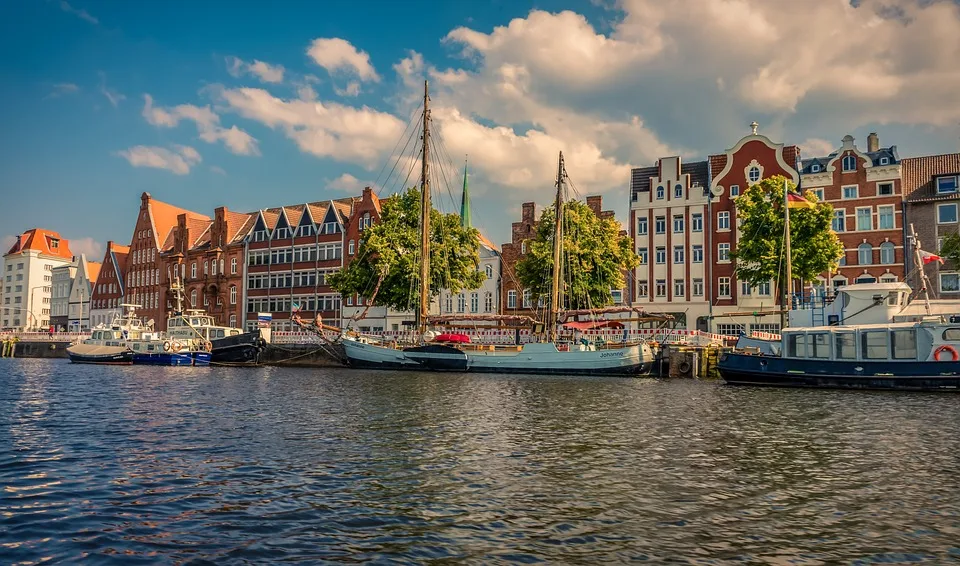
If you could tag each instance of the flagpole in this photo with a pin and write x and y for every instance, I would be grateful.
(787, 285)
(920, 266)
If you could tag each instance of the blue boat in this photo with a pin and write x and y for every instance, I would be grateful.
(155, 349)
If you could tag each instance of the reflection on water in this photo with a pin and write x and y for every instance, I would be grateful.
(132, 465)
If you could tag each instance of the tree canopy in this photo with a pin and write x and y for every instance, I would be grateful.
(814, 246)
(950, 248)
(595, 256)
(389, 254)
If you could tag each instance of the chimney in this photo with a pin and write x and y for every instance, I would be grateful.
(873, 142)
(367, 192)
(594, 203)
(528, 212)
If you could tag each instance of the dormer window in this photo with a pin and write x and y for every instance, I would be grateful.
(331, 227)
(54, 243)
(884, 161)
(947, 184)
(260, 236)
(815, 168)
(849, 163)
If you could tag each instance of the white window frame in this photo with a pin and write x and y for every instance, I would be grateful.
(956, 286)
(861, 250)
(856, 192)
(643, 255)
(956, 184)
(642, 226)
(694, 256)
(679, 288)
(679, 255)
(819, 192)
(891, 250)
(661, 288)
(660, 225)
(696, 222)
(678, 191)
(697, 287)
(868, 216)
(940, 207)
(723, 221)
(643, 289)
(839, 214)
(734, 191)
(721, 283)
(660, 255)
(848, 159)
(723, 252)
(893, 216)
(660, 192)
(880, 186)
(678, 224)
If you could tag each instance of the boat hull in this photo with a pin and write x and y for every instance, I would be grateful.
(535, 359)
(105, 355)
(173, 359)
(749, 369)
(243, 349)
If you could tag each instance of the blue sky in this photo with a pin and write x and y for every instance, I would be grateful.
(614, 85)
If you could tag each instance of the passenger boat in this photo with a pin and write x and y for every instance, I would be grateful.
(549, 356)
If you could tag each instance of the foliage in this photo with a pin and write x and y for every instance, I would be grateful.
(814, 246)
(390, 249)
(950, 249)
(595, 256)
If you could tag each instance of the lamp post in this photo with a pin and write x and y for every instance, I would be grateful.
(33, 307)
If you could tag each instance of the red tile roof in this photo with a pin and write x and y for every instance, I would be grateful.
(165, 220)
(93, 271)
(40, 240)
(918, 174)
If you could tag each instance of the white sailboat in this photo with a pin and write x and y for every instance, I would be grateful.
(550, 356)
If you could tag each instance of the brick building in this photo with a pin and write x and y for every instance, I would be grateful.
(865, 192)
(750, 160)
(668, 219)
(931, 186)
(109, 291)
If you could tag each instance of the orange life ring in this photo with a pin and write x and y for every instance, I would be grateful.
(166, 346)
(946, 348)
(208, 346)
(177, 347)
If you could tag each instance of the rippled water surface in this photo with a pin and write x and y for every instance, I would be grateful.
(215, 465)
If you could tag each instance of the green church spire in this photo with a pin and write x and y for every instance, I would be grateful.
(465, 202)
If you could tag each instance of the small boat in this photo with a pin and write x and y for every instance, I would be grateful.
(105, 346)
(156, 349)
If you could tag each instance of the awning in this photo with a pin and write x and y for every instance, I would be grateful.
(592, 324)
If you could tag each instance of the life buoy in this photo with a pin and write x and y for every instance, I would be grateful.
(208, 346)
(946, 348)
(166, 346)
(176, 346)
(684, 367)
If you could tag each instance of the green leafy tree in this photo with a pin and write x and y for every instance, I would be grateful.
(387, 265)
(595, 256)
(814, 246)
(950, 249)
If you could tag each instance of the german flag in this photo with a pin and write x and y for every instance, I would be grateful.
(796, 201)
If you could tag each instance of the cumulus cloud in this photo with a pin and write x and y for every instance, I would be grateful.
(207, 122)
(217, 170)
(178, 160)
(349, 184)
(78, 12)
(339, 55)
(92, 248)
(352, 89)
(264, 71)
(816, 147)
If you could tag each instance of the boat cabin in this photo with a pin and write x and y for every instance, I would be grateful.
(901, 342)
(863, 303)
(197, 324)
(107, 337)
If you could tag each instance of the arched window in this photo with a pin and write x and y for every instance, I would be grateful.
(489, 270)
(849, 163)
(233, 294)
(887, 253)
(193, 270)
(222, 272)
(193, 298)
(754, 174)
(233, 321)
(488, 302)
(865, 254)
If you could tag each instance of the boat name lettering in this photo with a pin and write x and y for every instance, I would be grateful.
(611, 355)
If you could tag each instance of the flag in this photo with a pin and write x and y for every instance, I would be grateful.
(928, 257)
(796, 201)
(296, 307)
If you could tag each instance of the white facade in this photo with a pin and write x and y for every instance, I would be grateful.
(80, 293)
(482, 301)
(60, 295)
(28, 286)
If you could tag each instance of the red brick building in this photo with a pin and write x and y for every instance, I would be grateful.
(931, 185)
(109, 291)
(865, 191)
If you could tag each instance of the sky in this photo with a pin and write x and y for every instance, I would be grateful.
(237, 104)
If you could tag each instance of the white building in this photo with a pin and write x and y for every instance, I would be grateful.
(81, 290)
(28, 278)
(60, 295)
(482, 301)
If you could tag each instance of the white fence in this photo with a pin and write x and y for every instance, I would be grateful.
(44, 336)
(506, 337)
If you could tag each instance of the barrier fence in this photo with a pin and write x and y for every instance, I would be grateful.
(506, 337)
(44, 336)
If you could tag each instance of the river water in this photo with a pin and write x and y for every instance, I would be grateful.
(229, 466)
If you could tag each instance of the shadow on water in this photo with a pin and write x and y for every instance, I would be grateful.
(220, 465)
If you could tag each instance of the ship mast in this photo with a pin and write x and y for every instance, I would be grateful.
(557, 254)
(787, 285)
(425, 210)
(924, 282)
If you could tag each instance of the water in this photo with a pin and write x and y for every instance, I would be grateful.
(229, 466)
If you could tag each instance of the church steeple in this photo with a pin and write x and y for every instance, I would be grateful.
(465, 201)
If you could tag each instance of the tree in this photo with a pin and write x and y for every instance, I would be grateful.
(387, 265)
(595, 256)
(950, 248)
(814, 246)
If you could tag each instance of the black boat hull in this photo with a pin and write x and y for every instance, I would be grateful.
(244, 349)
(912, 375)
(119, 359)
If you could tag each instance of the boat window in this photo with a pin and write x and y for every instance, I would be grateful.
(234, 333)
(846, 346)
(219, 333)
(819, 345)
(150, 347)
(195, 322)
(796, 345)
(893, 299)
(904, 344)
(874, 345)
(951, 334)
(97, 335)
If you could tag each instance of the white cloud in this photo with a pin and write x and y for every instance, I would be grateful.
(335, 54)
(114, 97)
(352, 89)
(264, 71)
(89, 246)
(217, 170)
(80, 13)
(207, 122)
(177, 161)
(349, 184)
(61, 89)
(817, 147)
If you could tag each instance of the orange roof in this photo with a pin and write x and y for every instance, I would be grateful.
(165, 219)
(294, 213)
(488, 243)
(40, 240)
(93, 271)
(270, 217)
(236, 222)
(200, 230)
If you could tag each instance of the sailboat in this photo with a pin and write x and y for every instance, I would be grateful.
(550, 356)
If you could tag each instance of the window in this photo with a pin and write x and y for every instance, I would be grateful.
(885, 217)
(884, 161)
(659, 192)
(796, 345)
(864, 218)
(849, 163)
(193, 298)
(641, 226)
(488, 302)
(947, 184)
(677, 254)
(233, 294)
(734, 190)
(887, 253)
(697, 253)
(193, 270)
(449, 303)
(904, 344)
(351, 244)
(888, 278)
(745, 290)
(763, 289)
(850, 192)
(723, 287)
(753, 175)
(949, 282)
(642, 254)
(723, 220)
(678, 191)
(884, 189)
(818, 193)
(233, 266)
(462, 302)
(527, 302)
(874, 344)
(819, 343)
(696, 222)
(213, 267)
(523, 247)
(661, 287)
(643, 290)
(474, 302)
(839, 220)
(661, 255)
(846, 345)
(723, 252)
(660, 225)
(697, 287)
(677, 224)
(678, 288)
(511, 300)
(865, 254)
(617, 296)
(946, 213)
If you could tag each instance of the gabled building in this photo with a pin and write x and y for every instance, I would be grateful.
(931, 185)
(668, 224)
(753, 158)
(60, 294)
(865, 191)
(109, 291)
(28, 278)
(81, 290)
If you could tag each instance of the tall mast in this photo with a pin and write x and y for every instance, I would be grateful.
(557, 251)
(425, 209)
(924, 283)
(788, 283)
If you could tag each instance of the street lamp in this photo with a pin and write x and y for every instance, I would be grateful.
(33, 307)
